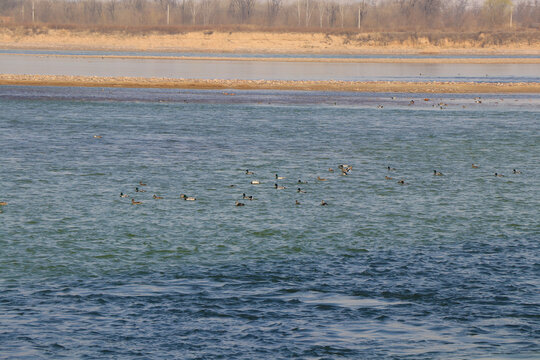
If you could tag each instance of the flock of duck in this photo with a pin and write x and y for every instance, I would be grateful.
(343, 169)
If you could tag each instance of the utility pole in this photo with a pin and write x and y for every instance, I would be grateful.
(511, 11)
(168, 14)
(33, 12)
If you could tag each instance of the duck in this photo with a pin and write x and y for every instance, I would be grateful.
(122, 195)
(330, 170)
(437, 173)
(302, 182)
(388, 178)
(97, 136)
(249, 172)
(187, 198)
(139, 190)
(244, 196)
(279, 187)
(474, 166)
(157, 197)
(133, 202)
(255, 182)
(321, 179)
(141, 183)
(401, 182)
(296, 202)
(3, 203)
(499, 175)
(323, 203)
(300, 191)
(238, 203)
(279, 177)
(391, 168)
(516, 171)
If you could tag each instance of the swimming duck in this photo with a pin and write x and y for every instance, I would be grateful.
(141, 183)
(249, 172)
(122, 195)
(499, 175)
(238, 203)
(255, 182)
(3, 203)
(279, 177)
(139, 190)
(300, 191)
(187, 198)
(244, 196)
(302, 182)
(516, 171)
(157, 197)
(133, 202)
(97, 136)
(321, 179)
(437, 173)
(330, 170)
(279, 187)
(474, 166)
(323, 203)
(401, 182)
(389, 178)
(391, 168)
(296, 202)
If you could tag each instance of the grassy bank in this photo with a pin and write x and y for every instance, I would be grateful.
(241, 40)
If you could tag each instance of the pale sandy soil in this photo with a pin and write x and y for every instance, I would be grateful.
(369, 86)
(243, 42)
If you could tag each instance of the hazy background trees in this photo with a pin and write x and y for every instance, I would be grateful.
(308, 15)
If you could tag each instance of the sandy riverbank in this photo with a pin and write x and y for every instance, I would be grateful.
(354, 86)
(266, 42)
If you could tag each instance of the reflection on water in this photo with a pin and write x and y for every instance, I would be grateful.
(275, 70)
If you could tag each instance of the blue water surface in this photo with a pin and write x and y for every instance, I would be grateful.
(441, 267)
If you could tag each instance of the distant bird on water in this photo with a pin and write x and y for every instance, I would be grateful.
(516, 171)
(323, 203)
(474, 166)
(3, 203)
(122, 195)
(133, 202)
(187, 198)
(437, 173)
(238, 203)
(249, 172)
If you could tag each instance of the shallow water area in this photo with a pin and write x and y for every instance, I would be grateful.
(443, 266)
(190, 67)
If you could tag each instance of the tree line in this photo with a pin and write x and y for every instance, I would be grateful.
(307, 15)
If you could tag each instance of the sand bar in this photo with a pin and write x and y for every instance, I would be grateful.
(217, 84)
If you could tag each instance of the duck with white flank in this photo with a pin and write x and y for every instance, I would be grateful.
(279, 187)
(255, 182)
(437, 173)
(122, 195)
(279, 177)
(187, 198)
(249, 172)
(516, 171)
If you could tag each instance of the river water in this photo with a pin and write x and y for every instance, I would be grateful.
(70, 64)
(441, 267)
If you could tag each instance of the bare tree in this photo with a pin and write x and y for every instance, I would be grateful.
(272, 10)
